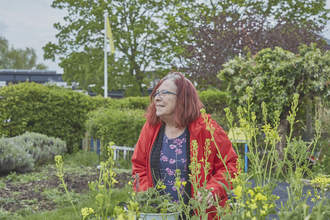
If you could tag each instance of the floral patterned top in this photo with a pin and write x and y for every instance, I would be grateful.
(173, 156)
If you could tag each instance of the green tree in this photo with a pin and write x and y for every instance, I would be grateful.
(139, 34)
(209, 22)
(275, 76)
(11, 58)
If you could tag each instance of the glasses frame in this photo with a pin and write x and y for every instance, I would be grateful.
(162, 94)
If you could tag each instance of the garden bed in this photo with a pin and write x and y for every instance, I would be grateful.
(36, 190)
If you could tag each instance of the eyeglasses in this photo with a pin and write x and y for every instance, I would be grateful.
(162, 94)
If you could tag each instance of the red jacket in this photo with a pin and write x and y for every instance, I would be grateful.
(198, 132)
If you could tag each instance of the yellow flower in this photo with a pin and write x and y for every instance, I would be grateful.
(130, 183)
(263, 212)
(254, 218)
(253, 205)
(251, 192)
(58, 158)
(248, 214)
(161, 186)
(86, 211)
(184, 183)
(114, 181)
(238, 191)
(265, 207)
(261, 197)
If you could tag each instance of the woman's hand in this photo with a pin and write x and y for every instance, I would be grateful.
(209, 198)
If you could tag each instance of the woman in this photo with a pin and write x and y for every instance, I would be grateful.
(174, 121)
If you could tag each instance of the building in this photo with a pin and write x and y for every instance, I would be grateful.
(45, 76)
(38, 76)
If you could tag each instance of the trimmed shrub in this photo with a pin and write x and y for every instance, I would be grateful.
(130, 102)
(50, 110)
(122, 126)
(14, 156)
(215, 101)
(41, 147)
(20, 153)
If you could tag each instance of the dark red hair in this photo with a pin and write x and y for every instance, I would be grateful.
(188, 104)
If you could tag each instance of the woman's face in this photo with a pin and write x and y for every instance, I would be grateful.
(165, 106)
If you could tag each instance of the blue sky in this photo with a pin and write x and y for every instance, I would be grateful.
(29, 23)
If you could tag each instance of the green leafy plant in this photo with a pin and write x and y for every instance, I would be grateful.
(50, 110)
(154, 200)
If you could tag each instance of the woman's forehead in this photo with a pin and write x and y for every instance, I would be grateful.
(167, 84)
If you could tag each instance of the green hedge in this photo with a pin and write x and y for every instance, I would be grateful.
(130, 102)
(63, 113)
(49, 110)
(21, 153)
(122, 126)
(215, 101)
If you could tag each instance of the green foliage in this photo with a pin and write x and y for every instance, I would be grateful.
(154, 200)
(20, 153)
(42, 148)
(215, 101)
(60, 198)
(186, 26)
(82, 158)
(11, 58)
(14, 156)
(139, 38)
(323, 164)
(49, 110)
(122, 126)
(130, 102)
(122, 163)
(6, 215)
(25, 178)
(275, 75)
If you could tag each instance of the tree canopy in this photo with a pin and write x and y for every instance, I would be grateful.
(211, 32)
(11, 58)
(152, 35)
(139, 35)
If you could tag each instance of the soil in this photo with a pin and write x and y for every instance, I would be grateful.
(13, 194)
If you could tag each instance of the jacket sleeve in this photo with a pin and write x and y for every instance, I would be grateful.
(139, 161)
(221, 172)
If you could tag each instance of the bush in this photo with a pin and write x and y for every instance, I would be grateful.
(14, 156)
(21, 153)
(215, 101)
(50, 110)
(130, 102)
(122, 126)
(42, 147)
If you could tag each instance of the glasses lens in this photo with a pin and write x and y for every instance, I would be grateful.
(162, 94)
